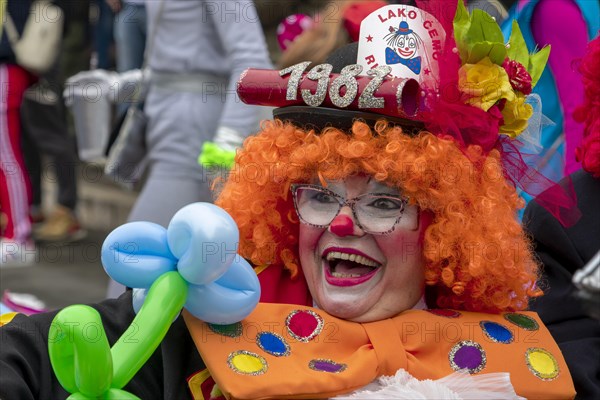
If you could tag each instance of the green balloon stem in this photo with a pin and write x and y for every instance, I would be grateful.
(81, 357)
(79, 351)
(164, 301)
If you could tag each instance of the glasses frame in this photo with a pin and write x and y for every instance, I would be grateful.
(346, 202)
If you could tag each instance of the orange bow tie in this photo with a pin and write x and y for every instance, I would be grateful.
(288, 351)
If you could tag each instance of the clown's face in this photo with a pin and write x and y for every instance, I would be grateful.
(360, 276)
(407, 46)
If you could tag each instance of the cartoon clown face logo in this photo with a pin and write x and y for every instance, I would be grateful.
(403, 44)
(407, 39)
(406, 45)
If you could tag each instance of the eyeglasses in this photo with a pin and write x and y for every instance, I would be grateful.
(375, 213)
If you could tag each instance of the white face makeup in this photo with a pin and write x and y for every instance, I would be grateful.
(359, 276)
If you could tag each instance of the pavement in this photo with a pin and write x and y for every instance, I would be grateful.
(71, 273)
(62, 274)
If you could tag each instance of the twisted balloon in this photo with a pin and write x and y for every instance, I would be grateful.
(192, 264)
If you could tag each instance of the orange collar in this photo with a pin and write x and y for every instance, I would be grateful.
(290, 351)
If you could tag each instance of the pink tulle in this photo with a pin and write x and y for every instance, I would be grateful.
(467, 125)
(558, 200)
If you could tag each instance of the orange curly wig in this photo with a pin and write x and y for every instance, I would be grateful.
(477, 257)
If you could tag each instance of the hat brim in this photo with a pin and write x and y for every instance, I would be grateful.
(317, 118)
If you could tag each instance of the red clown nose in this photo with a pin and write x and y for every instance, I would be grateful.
(342, 225)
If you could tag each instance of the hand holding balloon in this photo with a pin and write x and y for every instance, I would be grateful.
(192, 263)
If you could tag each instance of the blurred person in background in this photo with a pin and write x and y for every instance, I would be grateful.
(46, 138)
(15, 191)
(198, 47)
(129, 33)
(130, 37)
(46, 132)
(103, 40)
(197, 52)
(312, 38)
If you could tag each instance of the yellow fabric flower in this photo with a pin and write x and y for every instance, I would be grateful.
(484, 83)
(516, 113)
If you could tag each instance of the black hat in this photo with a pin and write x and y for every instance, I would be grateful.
(318, 118)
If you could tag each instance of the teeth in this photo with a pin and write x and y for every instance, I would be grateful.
(340, 275)
(351, 257)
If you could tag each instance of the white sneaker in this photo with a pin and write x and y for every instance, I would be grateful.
(17, 254)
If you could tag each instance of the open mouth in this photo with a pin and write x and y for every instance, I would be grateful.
(347, 269)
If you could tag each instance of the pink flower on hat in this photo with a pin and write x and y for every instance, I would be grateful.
(518, 76)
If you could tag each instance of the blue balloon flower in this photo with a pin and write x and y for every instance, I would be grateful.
(201, 244)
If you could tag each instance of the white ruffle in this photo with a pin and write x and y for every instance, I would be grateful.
(459, 385)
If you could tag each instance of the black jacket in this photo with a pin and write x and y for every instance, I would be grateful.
(26, 373)
(563, 251)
